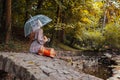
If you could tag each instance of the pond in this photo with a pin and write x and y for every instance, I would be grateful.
(100, 71)
(100, 64)
(91, 62)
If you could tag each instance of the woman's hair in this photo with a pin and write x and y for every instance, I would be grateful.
(32, 36)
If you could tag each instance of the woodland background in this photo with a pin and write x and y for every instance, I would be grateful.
(76, 24)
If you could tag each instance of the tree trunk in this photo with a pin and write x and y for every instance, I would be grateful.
(27, 14)
(105, 14)
(8, 21)
(63, 30)
(63, 35)
(0, 11)
(55, 33)
(3, 16)
(59, 20)
(39, 4)
(104, 20)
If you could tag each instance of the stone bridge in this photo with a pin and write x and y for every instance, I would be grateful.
(26, 66)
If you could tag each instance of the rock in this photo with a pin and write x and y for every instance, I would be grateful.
(116, 69)
(108, 55)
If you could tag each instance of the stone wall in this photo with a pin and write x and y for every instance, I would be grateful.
(26, 66)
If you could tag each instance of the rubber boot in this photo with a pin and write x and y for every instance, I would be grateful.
(47, 52)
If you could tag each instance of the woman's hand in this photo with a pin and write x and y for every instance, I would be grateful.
(45, 39)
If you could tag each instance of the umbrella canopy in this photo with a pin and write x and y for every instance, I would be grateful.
(35, 22)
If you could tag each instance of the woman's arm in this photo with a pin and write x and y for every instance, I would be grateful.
(41, 38)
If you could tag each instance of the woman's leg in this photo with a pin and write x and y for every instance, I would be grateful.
(41, 50)
(50, 52)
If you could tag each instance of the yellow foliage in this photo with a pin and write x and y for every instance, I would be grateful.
(97, 5)
(94, 34)
(86, 20)
(85, 12)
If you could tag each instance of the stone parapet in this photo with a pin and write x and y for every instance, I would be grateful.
(26, 66)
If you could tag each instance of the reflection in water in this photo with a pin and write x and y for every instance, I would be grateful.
(99, 71)
(97, 64)
(91, 62)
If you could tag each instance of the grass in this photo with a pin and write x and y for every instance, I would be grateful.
(23, 46)
(15, 46)
(65, 47)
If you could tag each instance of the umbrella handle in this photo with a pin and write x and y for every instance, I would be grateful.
(30, 16)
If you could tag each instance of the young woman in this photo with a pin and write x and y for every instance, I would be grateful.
(37, 45)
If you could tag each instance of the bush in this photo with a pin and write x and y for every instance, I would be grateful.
(94, 39)
(112, 35)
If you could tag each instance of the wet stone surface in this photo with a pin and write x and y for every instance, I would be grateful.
(116, 68)
(26, 66)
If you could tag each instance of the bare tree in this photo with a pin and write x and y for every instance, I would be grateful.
(7, 20)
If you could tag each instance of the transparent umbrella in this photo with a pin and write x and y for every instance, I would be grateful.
(35, 22)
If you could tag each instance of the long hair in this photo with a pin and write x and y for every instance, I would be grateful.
(32, 36)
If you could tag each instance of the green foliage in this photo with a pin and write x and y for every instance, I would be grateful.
(81, 20)
(94, 39)
(65, 47)
(61, 26)
(17, 46)
(112, 35)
